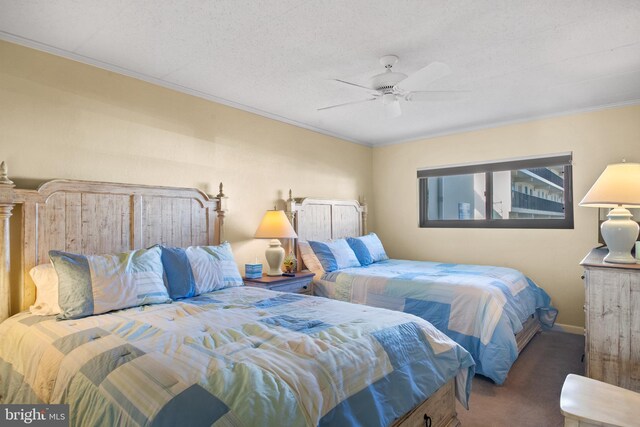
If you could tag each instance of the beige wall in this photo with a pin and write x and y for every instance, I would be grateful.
(549, 257)
(63, 119)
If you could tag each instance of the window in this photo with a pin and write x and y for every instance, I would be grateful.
(527, 193)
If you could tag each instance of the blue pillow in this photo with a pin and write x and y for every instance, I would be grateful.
(368, 248)
(198, 269)
(334, 255)
(95, 284)
(178, 274)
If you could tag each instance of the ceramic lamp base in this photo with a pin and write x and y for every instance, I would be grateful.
(619, 233)
(275, 256)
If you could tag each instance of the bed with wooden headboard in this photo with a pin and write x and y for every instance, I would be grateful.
(326, 219)
(89, 218)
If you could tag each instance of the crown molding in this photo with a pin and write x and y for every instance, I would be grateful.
(501, 123)
(182, 89)
(168, 85)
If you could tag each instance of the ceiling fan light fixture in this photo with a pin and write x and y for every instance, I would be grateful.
(392, 109)
(389, 98)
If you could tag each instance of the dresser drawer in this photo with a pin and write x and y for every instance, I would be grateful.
(437, 411)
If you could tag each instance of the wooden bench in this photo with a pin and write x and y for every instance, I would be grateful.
(587, 402)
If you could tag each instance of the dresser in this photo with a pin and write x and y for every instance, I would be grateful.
(612, 321)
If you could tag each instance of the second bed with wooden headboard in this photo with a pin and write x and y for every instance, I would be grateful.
(491, 311)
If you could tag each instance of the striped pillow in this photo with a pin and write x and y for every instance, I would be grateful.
(368, 248)
(335, 255)
(199, 269)
(95, 284)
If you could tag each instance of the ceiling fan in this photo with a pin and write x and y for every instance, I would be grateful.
(391, 86)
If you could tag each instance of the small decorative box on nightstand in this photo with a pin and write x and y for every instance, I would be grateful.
(301, 283)
(253, 271)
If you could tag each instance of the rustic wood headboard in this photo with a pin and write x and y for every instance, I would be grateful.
(326, 219)
(96, 217)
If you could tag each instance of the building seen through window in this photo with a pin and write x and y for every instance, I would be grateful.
(522, 192)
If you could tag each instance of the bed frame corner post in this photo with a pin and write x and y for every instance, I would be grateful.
(6, 206)
(364, 215)
(290, 212)
(221, 209)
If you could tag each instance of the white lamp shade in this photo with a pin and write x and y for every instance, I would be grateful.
(618, 185)
(275, 225)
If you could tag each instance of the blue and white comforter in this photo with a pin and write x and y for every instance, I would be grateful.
(238, 356)
(480, 307)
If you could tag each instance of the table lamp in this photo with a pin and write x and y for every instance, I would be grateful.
(275, 225)
(617, 187)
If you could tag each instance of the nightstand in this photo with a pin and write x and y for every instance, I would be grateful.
(301, 283)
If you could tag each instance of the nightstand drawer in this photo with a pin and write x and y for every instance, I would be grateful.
(301, 283)
(299, 287)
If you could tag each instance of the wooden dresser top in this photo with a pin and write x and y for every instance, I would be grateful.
(595, 259)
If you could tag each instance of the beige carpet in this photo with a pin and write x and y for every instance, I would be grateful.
(531, 394)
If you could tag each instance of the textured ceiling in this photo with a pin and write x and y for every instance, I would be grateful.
(516, 59)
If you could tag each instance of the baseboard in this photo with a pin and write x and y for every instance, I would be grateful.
(569, 329)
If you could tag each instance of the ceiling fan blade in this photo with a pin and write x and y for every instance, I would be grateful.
(423, 77)
(347, 103)
(435, 95)
(353, 84)
(392, 109)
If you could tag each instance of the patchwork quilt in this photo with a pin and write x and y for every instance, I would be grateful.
(234, 357)
(479, 307)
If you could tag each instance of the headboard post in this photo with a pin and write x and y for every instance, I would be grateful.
(221, 209)
(290, 212)
(290, 209)
(6, 206)
(363, 205)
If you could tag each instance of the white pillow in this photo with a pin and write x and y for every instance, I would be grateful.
(310, 259)
(46, 280)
